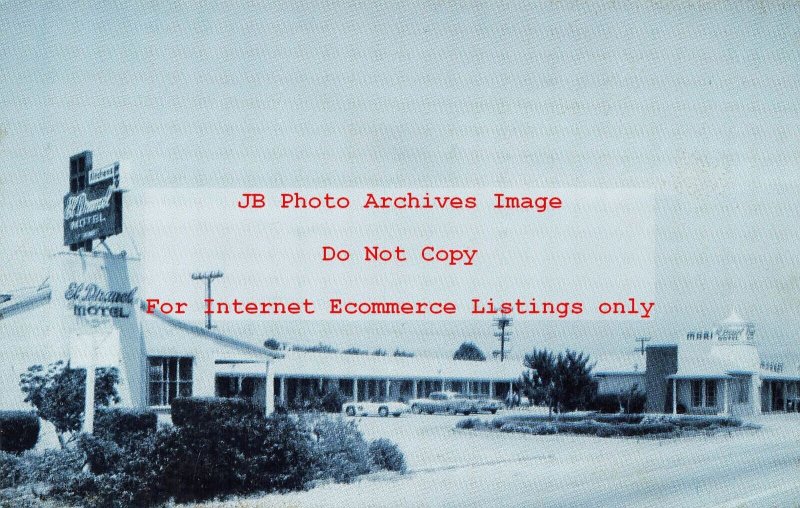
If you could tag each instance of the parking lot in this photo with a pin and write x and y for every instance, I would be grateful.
(449, 467)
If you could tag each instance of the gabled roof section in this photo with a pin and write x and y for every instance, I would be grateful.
(24, 300)
(220, 338)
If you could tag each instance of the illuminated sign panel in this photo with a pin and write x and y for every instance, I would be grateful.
(93, 206)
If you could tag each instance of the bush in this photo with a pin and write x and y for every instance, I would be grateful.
(618, 418)
(697, 422)
(19, 431)
(102, 455)
(605, 403)
(332, 401)
(584, 428)
(469, 423)
(629, 402)
(341, 453)
(124, 425)
(544, 429)
(635, 403)
(645, 429)
(607, 431)
(232, 456)
(386, 455)
(315, 400)
(209, 410)
(10, 473)
(513, 427)
(51, 466)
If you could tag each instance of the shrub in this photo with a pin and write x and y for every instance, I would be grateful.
(618, 418)
(9, 470)
(209, 410)
(585, 428)
(629, 402)
(19, 431)
(695, 422)
(513, 427)
(386, 455)
(332, 401)
(102, 455)
(645, 429)
(605, 403)
(635, 402)
(341, 452)
(607, 431)
(51, 466)
(124, 425)
(469, 423)
(313, 399)
(232, 456)
(544, 429)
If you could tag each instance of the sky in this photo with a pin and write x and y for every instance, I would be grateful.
(689, 108)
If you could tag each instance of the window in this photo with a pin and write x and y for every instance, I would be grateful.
(169, 377)
(704, 393)
(697, 393)
(711, 393)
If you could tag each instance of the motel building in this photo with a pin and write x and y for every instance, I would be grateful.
(91, 312)
(718, 371)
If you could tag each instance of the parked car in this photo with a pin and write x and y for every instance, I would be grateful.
(489, 405)
(454, 403)
(375, 408)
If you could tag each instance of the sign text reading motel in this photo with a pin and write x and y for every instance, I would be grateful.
(93, 205)
(89, 299)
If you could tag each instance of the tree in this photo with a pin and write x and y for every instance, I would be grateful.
(403, 354)
(319, 348)
(539, 382)
(272, 344)
(469, 351)
(58, 394)
(573, 381)
(355, 351)
(563, 382)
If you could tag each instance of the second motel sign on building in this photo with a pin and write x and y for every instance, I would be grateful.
(93, 205)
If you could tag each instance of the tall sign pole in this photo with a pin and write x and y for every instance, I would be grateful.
(208, 277)
(92, 211)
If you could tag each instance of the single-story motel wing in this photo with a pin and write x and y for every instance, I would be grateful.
(90, 311)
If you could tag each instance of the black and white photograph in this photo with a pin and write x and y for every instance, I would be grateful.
(441, 254)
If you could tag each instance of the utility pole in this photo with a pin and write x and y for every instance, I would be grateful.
(208, 277)
(641, 348)
(503, 334)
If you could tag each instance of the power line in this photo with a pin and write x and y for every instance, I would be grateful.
(503, 334)
(641, 348)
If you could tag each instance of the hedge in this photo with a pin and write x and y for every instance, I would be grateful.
(19, 431)
(123, 425)
(207, 410)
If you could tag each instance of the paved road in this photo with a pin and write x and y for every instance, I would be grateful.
(468, 468)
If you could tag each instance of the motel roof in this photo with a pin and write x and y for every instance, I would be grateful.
(168, 336)
(619, 365)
